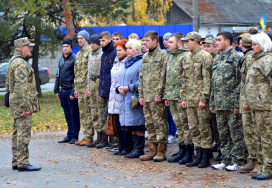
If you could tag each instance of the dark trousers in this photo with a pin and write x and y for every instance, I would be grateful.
(71, 112)
(172, 127)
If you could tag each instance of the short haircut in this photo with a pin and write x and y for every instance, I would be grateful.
(263, 40)
(104, 34)
(133, 36)
(253, 31)
(177, 35)
(121, 43)
(135, 44)
(234, 42)
(118, 34)
(227, 36)
(153, 35)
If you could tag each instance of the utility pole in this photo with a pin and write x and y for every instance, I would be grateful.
(195, 16)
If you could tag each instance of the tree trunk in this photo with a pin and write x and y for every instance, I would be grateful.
(35, 53)
(68, 20)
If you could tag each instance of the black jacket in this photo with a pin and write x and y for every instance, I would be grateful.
(107, 60)
(65, 74)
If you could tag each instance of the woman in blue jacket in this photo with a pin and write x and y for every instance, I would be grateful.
(132, 119)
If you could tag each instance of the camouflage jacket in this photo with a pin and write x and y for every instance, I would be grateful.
(81, 68)
(174, 72)
(246, 62)
(258, 85)
(22, 86)
(225, 81)
(152, 75)
(215, 55)
(196, 83)
(94, 64)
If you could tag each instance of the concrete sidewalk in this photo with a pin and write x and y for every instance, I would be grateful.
(65, 165)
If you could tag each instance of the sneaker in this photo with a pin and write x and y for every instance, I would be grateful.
(172, 139)
(107, 147)
(114, 149)
(232, 167)
(218, 166)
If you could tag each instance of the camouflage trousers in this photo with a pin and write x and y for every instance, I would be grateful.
(180, 119)
(251, 138)
(199, 121)
(103, 111)
(231, 136)
(263, 121)
(215, 133)
(155, 122)
(20, 140)
(95, 104)
(85, 115)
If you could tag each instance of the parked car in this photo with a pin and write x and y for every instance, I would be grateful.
(43, 74)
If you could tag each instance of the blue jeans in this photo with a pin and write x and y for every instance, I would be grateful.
(71, 112)
(172, 126)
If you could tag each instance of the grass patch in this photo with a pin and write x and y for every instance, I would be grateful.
(49, 119)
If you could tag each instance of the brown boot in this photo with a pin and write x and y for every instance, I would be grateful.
(104, 141)
(151, 153)
(256, 169)
(84, 143)
(161, 153)
(79, 142)
(248, 168)
(99, 138)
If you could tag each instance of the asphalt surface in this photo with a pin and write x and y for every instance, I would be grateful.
(65, 165)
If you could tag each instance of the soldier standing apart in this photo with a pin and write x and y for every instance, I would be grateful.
(107, 60)
(64, 89)
(195, 95)
(225, 103)
(172, 93)
(258, 94)
(81, 82)
(209, 46)
(251, 138)
(151, 88)
(94, 64)
(23, 102)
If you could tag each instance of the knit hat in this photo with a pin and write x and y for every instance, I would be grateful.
(246, 40)
(166, 36)
(95, 39)
(85, 34)
(69, 42)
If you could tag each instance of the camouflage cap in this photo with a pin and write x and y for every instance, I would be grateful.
(246, 40)
(23, 42)
(209, 40)
(192, 35)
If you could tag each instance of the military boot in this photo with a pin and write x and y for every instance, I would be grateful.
(160, 154)
(205, 159)
(99, 137)
(104, 141)
(248, 168)
(151, 153)
(189, 151)
(179, 156)
(198, 158)
(134, 140)
(256, 169)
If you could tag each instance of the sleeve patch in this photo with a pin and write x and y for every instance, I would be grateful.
(22, 74)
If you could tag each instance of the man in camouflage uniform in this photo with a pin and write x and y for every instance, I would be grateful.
(195, 94)
(224, 101)
(23, 102)
(172, 95)
(209, 46)
(94, 64)
(251, 139)
(151, 88)
(81, 82)
(258, 93)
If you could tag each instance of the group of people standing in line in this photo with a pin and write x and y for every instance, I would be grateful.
(215, 94)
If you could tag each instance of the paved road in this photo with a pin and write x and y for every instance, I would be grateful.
(65, 165)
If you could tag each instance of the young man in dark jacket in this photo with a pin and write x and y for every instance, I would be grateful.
(107, 59)
(64, 89)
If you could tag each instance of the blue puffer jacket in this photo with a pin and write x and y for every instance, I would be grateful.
(107, 60)
(130, 78)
